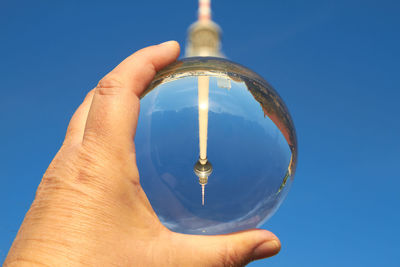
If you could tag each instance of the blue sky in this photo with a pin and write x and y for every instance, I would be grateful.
(334, 63)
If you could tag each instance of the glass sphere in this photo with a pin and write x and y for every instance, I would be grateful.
(216, 147)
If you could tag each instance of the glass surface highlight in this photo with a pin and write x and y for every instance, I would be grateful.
(216, 147)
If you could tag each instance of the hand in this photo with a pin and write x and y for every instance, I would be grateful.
(90, 209)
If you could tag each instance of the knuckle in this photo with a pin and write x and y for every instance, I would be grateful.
(109, 85)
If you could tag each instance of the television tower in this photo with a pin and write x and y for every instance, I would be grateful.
(203, 41)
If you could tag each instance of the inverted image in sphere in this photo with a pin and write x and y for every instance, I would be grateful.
(216, 147)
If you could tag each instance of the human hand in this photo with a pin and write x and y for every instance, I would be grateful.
(90, 209)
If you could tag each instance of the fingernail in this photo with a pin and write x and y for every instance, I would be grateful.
(266, 249)
(168, 42)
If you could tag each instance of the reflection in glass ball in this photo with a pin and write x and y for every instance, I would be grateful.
(216, 147)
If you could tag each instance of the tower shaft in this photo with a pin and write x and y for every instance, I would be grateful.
(204, 10)
(203, 88)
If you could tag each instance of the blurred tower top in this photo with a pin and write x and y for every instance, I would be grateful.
(204, 36)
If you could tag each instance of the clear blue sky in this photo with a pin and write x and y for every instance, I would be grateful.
(335, 64)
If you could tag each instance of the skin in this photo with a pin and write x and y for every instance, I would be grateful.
(90, 209)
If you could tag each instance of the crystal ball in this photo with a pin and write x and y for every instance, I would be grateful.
(216, 147)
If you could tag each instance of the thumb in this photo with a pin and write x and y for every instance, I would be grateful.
(236, 249)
